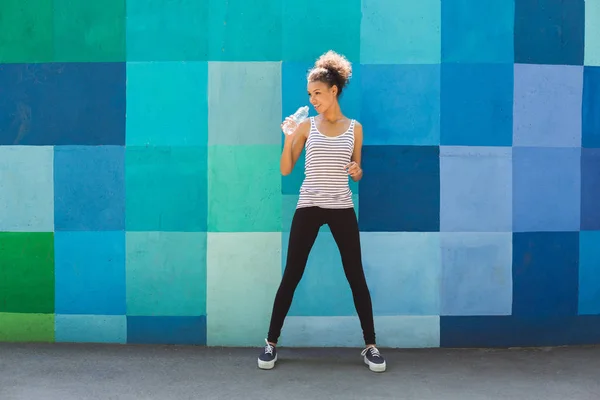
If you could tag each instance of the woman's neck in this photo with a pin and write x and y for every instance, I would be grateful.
(333, 114)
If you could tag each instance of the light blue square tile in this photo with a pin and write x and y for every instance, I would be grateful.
(323, 276)
(244, 103)
(592, 33)
(27, 189)
(90, 273)
(167, 104)
(166, 274)
(548, 102)
(91, 328)
(408, 331)
(546, 189)
(475, 189)
(477, 274)
(589, 273)
(403, 271)
(400, 32)
(403, 108)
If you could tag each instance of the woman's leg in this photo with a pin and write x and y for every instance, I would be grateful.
(344, 228)
(303, 232)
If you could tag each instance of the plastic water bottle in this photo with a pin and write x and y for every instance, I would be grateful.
(300, 115)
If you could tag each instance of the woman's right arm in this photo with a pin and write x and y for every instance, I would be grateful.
(292, 147)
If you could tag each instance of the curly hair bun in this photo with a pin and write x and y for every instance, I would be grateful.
(336, 63)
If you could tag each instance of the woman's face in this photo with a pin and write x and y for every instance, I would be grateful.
(321, 96)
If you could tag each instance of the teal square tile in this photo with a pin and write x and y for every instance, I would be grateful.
(167, 104)
(244, 188)
(166, 189)
(239, 309)
(312, 27)
(166, 273)
(166, 30)
(242, 30)
(400, 32)
(592, 33)
(249, 116)
(90, 328)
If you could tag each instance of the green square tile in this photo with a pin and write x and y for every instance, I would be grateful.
(26, 33)
(166, 273)
(166, 30)
(166, 188)
(26, 327)
(27, 272)
(239, 310)
(312, 27)
(244, 188)
(92, 31)
(242, 30)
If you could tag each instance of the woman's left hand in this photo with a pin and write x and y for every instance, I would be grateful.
(353, 170)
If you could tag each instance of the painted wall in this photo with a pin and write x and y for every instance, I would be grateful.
(141, 202)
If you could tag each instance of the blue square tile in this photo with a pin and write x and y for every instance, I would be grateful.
(477, 273)
(251, 116)
(307, 29)
(91, 328)
(400, 32)
(166, 330)
(590, 189)
(477, 104)
(589, 273)
(60, 104)
(549, 32)
(547, 105)
(400, 189)
(167, 104)
(90, 273)
(323, 276)
(403, 271)
(165, 30)
(590, 107)
(89, 188)
(478, 31)
(476, 189)
(545, 273)
(546, 189)
(167, 188)
(403, 108)
(517, 331)
(26, 189)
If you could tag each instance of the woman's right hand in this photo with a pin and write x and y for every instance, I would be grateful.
(289, 125)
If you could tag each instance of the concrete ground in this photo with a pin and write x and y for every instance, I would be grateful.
(81, 372)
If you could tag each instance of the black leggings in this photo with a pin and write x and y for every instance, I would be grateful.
(304, 230)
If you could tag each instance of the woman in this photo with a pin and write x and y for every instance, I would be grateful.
(333, 151)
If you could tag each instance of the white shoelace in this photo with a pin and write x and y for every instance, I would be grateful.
(374, 351)
(268, 348)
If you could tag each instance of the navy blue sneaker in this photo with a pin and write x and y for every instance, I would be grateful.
(374, 359)
(268, 357)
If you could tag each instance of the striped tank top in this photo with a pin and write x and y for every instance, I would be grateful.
(326, 179)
